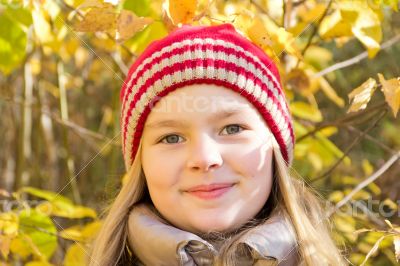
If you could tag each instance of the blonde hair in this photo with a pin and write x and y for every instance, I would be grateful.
(299, 204)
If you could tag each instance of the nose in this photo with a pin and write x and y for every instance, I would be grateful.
(204, 154)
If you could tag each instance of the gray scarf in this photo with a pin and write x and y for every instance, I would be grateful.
(155, 242)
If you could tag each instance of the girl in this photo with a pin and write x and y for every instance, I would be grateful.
(208, 141)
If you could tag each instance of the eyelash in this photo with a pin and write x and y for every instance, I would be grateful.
(163, 138)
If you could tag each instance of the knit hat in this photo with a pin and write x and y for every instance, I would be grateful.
(209, 55)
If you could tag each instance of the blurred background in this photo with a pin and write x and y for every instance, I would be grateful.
(62, 64)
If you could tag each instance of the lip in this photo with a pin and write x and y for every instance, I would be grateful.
(210, 191)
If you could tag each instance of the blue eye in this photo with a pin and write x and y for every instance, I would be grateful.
(171, 139)
(233, 129)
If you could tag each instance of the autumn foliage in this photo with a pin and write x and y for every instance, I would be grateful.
(62, 63)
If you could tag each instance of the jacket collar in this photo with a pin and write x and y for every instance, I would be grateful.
(155, 242)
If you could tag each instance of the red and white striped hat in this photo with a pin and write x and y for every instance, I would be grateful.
(203, 54)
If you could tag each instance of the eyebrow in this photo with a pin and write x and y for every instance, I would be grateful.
(178, 123)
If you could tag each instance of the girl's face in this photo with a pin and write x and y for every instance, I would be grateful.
(207, 158)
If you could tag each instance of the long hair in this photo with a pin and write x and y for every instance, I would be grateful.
(301, 206)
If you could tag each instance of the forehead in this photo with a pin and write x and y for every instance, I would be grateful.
(200, 99)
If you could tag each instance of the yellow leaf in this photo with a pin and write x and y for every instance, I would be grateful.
(98, 19)
(306, 111)
(396, 243)
(388, 202)
(266, 34)
(38, 263)
(373, 249)
(344, 224)
(334, 26)
(328, 131)
(318, 56)
(367, 167)
(336, 196)
(311, 14)
(72, 233)
(180, 11)
(75, 256)
(362, 95)
(90, 230)
(258, 33)
(284, 41)
(42, 26)
(326, 88)
(20, 247)
(354, 18)
(129, 24)
(330, 92)
(374, 189)
(90, 3)
(361, 195)
(9, 223)
(367, 26)
(315, 160)
(297, 79)
(79, 233)
(5, 242)
(391, 90)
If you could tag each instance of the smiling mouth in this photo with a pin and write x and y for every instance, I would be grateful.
(212, 191)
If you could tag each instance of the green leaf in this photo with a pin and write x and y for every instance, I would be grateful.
(141, 40)
(40, 229)
(12, 44)
(139, 7)
(59, 205)
(44, 194)
(20, 15)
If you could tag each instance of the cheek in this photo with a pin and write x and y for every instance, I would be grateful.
(161, 170)
(255, 161)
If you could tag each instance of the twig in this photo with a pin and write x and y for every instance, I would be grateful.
(316, 27)
(377, 142)
(262, 10)
(70, 164)
(369, 213)
(118, 60)
(342, 121)
(355, 59)
(287, 11)
(367, 181)
(79, 129)
(348, 149)
(298, 3)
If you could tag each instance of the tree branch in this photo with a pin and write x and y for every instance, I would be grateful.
(348, 149)
(367, 181)
(355, 59)
(77, 128)
(374, 140)
(316, 27)
(343, 121)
